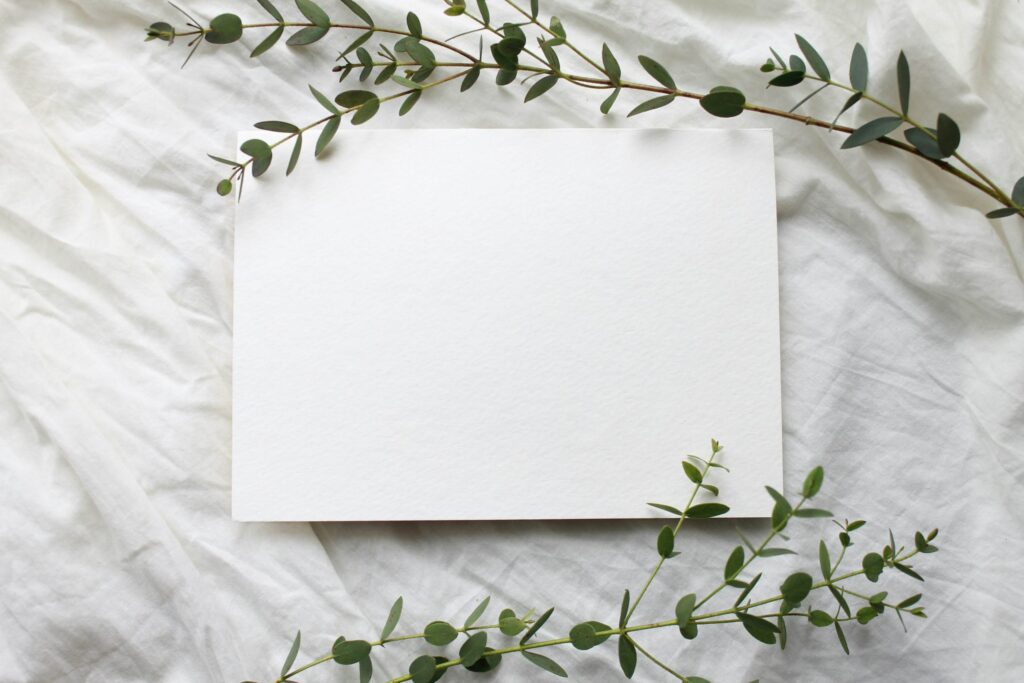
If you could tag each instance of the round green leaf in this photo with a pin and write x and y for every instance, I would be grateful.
(724, 102)
(350, 651)
(684, 609)
(489, 662)
(787, 79)
(819, 618)
(873, 565)
(423, 668)
(666, 541)
(473, 649)
(224, 28)
(224, 187)
(734, 563)
(354, 98)
(439, 633)
(796, 587)
(924, 143)
(1017, 195)
(509, 623)
(689, 631)
(583, 636)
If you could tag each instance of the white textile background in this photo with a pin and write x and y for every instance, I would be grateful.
(901, 340)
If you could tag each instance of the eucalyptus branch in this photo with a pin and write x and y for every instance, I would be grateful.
(764, 619)
(939, 145)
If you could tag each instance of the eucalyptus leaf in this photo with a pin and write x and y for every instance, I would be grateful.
(949, 135)
(393, 617)
(872, 130)
(268, 42)
(611, 65)
(761, 629)
(541, 86)
(627, 656)
(872, 565)
(422, 669)
(470, 79)
(413, 22)
(357, 43)
(813, 58)
(545, 663)
(723, 102)
(277, 126)
(666, 541)
(903, 82)
(409, 102)
(788, 79)
(1017, 197)
(307, 36)
(296, 151)
(485, 12)
(859, 68)
(734, 564)
(657, 71)
(924, 143)
(819, 618)
(357, 10)
(224, 187)
(813, 482)
(536, 626)
(271, 9)
(292, 653)
(796, 587)
(477, 612)
(473, 649)
(684, 609)
(706, 510)
(1001, 212)
(439, 633)
(609, 102)
(667, 508)
(350, 651)
(314, 13)
(326, 135)
(824, 561)
(224, 29)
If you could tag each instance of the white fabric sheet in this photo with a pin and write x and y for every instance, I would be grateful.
(901, 341)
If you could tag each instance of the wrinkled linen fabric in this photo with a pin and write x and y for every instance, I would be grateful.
(901, 309)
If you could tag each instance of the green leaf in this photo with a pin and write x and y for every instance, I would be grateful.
(611, 65)
(812, 513)
(350, 651)
(423, 668)
(160, 30)
(850, 101)
(1017, 196)
(824, 561)
(224, 187)
(912, 600)
(781, 511)
(307, 36)
(409, 102)
(859, 68)
(840, 599)
(477, 612)
(796, 587)
(1002, 212)
(657, 71)
(872, 130)
(734, 563)
(290, 659)
(746, 591)
(392, 621)
(406, 83)
(787, 79)
(354, 98)
(872, 565)
(624, 609)
(813, 482)
(470, 79)
(324, 102)
(509, 623)
(908, 571)
(819, 618)
(541, 86)
(314, 13)
(365, 670)
(268, 42)
(536, 626)
(606, 106)
(356, 44)
(261, 155)
(949, 135)
(439, 633)
(627, 656)
(813, 58)
(473, 649)
(326, 135)
(415, 27)
(271, 10)
(222, 160)
(775, 552)
(358, 11)
(903, 82)
(457, 8)
(762, 629)
(557, 28)
(923, 142)
(585, 636)
(797, 64)
(534, 8)
(723, 102)
(842, 638)
(666, 541)
(706, 510)
(866, 614)
(667, 508)
(684, 609)
(294, 158)
(692, 473)
(485, 13)
(277, 126)
(545, 663)
(550, 55)
(224, 29)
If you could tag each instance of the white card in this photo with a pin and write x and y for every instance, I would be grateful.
(507, 324)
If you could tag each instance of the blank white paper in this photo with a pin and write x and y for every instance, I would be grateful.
(507, 324)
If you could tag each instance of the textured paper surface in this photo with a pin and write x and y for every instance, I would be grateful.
(507, 324)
